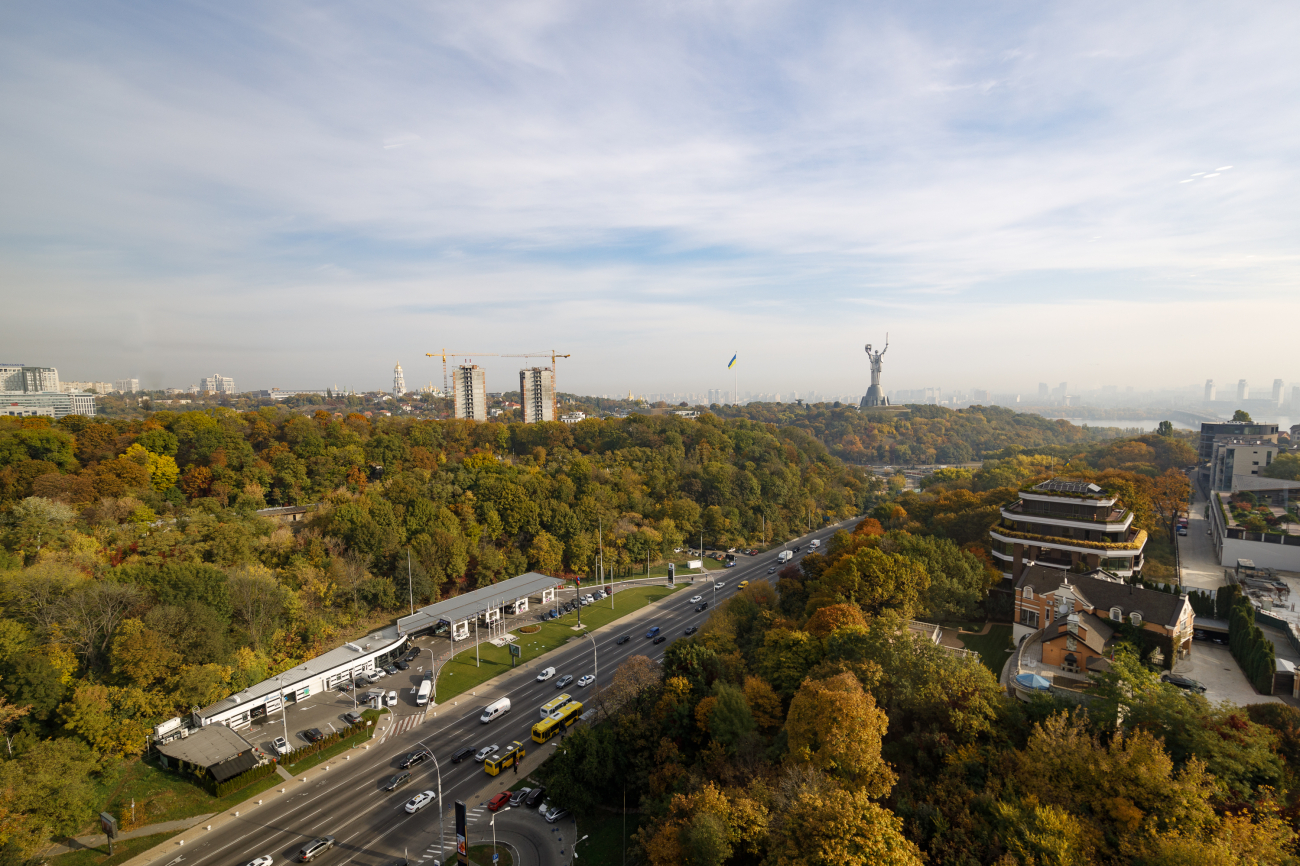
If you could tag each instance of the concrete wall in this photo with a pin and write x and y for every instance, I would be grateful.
(1285, 557)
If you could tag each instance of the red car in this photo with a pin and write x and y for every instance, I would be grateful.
(498, 801)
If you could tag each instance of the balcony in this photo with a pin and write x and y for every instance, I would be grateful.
(1134, 540)
(1110, 516)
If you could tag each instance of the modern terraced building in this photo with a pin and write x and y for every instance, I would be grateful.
(1071, 525)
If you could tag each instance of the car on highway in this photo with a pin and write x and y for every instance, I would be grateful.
(402, 665)
(498, 801)
(545, 674)
(563, 681)
(261, 861)
(391, 700)
(397, 781)
(417, 757)
(742, 584)
(696, 599)
(482, 754)
(352, 717)
(1183, 682)
(419, 801)
(624, 639)
(535, 796)
(556, 814)
(586, 680)
(772, 570)
(281, 746)
(719, 585)
(652, 632)
(691, 630)
(519, 796)
(313, 735)
(461, 754)
(659, 639)
(314, 848)
(701, 606)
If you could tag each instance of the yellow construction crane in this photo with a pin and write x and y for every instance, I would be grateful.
(445, 353)
(555, 387)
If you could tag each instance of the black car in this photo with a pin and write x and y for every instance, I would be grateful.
(313, 735)
(624, 639)
(461, 755)
(401, 664)
(397, 781)
(1182, 682)
(692, 630)
(390, 669)
(659, 639)
(415, 758)
(701, 606)
(535, 796)
(413, 655)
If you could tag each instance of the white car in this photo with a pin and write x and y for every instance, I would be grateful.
(261, 861)
(482, 754)
(719, 585)
(598, 595)
(696, 599)
(419, 801)
(586, 680)
(378, 674)
(545, 674)
(281, 747)
(391, 700)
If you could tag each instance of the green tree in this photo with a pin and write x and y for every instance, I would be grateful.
(1243, 416)
(48, 793)
(731, 720)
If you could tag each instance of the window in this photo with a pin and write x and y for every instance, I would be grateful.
(1116, 614)
(1029, 617)
(1029, 592)
(1135, 618)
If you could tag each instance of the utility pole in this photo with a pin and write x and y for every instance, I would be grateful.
(476, 662)
(410, 587)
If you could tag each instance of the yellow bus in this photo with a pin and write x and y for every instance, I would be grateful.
(556, 722)
(504, 758)
(551, 706)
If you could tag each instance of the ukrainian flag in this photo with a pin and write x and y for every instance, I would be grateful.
(732, 362)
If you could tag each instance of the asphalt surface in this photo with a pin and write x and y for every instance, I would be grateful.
(371, 825)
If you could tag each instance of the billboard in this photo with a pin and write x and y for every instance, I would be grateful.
(462, 855)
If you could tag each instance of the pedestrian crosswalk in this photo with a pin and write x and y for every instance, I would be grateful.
(400, 724)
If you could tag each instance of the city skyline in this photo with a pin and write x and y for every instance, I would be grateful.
(247, 190)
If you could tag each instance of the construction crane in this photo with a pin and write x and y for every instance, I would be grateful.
(555, 387)
(445, 353)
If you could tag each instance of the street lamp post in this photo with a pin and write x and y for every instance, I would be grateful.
(493, 822)
(433, 667)
(576, 841)
(442, 836)
(284, 710)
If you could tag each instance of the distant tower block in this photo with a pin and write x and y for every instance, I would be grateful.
(537, 394)
(1243, 390)
(399, 383)
(1277, 392)
(1209, 390)
(469, 385)
(875, 396)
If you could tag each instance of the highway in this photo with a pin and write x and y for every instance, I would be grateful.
(371, 826)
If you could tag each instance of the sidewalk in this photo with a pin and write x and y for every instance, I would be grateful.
(100, 840)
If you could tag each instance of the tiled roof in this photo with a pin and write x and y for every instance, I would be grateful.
(1102, 592)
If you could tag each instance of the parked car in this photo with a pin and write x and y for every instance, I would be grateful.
(397, 781)
(622, 640)
(482, 754)
(314, 848)
(519, 796)
(461, 754)
(390, 669)
(313, 735)
(402, 664)
(535, 796)
(391, 700)
(1182, 530)
(545, 674)
(696, 599)
(416, 757)
(598, 594)
(419, 801)
(586, 680)
(498, 801)
(563, 681)
(556, 814)
(659, 639)
(544, 808)
(701, 606)
(281, 746)
(352, 717)
(691, 630)
(1183, 682)
(378, 674)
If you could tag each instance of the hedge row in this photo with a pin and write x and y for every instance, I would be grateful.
(320, 745)
(1253, 651)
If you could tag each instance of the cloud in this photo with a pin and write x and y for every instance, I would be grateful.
(307, 181)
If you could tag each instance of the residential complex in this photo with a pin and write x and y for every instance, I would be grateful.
(469, 387)
(1070, 525)
(126, 386)
(1227, 430)
(28, 380)
(1234, 456)
(537, 387)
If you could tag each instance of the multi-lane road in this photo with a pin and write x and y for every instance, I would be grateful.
(370, 825)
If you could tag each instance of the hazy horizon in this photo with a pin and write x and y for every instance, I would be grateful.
(299, 196)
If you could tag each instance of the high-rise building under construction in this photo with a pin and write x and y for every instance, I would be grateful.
(537, 394)
(470, 386)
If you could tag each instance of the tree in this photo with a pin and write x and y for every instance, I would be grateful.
(114, 721)
(1168, 494)
(1165, 428)
(632, 679)
(258, 601)
(48, 792)
(546, 554)
(90, 615)
(1243, 416)
(141, 656)
(839, 828)
(835, 726)
(731, 720)
(764, 703)
(873, 580)
(10, 713)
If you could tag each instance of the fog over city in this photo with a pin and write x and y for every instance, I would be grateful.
(301, 195)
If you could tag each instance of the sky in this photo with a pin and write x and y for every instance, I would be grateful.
(300, 195)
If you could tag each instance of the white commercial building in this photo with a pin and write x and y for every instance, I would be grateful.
(218, 384)
(31, 380)
(537, 387)
(469, 385)
(57, 403)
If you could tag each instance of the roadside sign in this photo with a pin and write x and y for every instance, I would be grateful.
(516, 650)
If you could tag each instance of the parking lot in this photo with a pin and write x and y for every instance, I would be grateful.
(1213, 665)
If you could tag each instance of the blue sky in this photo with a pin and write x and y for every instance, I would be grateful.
(299, 195)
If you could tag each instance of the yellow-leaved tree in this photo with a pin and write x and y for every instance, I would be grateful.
(835, 725)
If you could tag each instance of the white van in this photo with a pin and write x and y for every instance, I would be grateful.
(422, 696)
(784, 556)
(814, 544)
(499, 707)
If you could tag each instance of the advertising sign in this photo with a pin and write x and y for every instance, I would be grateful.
(695, 563)
(516, 650)
(672, 573)
(462, 856)
(109, 825)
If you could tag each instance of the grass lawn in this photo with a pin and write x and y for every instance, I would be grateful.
(481, 855)
(992, 647)
(122, 851)
(460, 674)
(604, 830)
